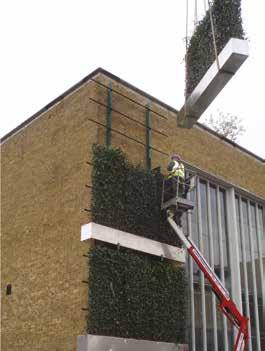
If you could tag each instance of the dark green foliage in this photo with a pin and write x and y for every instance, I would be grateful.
(200, 55)
(108, 178)
(127, 197)
(132, 294)
(135, 296)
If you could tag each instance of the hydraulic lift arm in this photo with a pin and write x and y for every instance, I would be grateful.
(226, 304)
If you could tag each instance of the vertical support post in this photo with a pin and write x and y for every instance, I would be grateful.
(245, 273)
(148, 136)
(191, 286)
(109, 116)
(220, 232)
(255, 298)
(233, 247)
(262, 277)
(202, 285)
(210, 233)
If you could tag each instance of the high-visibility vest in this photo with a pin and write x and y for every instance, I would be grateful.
(178, 170)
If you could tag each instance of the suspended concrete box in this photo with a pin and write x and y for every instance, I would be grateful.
(107, 343)
(230, 59)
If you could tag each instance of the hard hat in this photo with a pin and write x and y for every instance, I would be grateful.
(175, 157)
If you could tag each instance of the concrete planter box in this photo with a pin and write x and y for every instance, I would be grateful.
(134, 242)
(230, 59)
(107, 343)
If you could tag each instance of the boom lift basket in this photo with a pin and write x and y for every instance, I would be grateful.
(174, 193)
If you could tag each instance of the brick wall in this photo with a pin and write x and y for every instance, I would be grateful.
(44, 173)
(196, 146)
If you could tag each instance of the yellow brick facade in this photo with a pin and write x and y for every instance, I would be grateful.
(44, 194)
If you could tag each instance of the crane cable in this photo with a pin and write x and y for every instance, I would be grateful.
(204, 2)
(195, 13)
(213, 34)
(186, 41)
(186, 56)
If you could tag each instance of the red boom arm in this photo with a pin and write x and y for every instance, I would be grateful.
(226, 305)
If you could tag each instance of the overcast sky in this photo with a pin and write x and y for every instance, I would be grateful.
(49, 45)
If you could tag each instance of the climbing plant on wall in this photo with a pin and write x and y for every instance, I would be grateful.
(128, 197)
(200, 54)
(131, 294)
(135, 296)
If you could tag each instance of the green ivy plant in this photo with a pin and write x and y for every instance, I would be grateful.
(132, 294)
(135, 296)
(200, 54)
(128, 197)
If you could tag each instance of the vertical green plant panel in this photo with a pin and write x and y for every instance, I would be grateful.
(128, 197)
(131, 294)
(200, 54)
(135, 296)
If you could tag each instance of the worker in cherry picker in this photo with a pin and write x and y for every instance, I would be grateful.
(176, 176)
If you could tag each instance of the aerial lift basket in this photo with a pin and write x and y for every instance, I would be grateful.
(173, 191)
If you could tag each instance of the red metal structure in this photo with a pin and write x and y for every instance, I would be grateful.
(226, 304)
(176, 205)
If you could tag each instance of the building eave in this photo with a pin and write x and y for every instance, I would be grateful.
(100, 70)
(228, 141)
(76, 86)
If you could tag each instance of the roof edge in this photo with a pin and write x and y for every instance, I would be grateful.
(50, 104)
(234, 144)
(76, 86)
(132, 87)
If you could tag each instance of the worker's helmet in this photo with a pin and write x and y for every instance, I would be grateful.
(175, 157)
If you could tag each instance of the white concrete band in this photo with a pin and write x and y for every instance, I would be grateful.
(132, 241)
(107, 343)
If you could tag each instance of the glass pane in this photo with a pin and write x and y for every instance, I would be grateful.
(198, 317)
(247, 243)
(262, 230)
(204, 222)
(254, 231)
(247, 232)
(260, 276)
(215, 234)
(205, 249)
(194, 231)
(184, 222)
(239, 232)
(225, 240)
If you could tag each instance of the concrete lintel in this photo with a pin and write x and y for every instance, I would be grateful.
(107, 343)
(231, 58)
(132, 241)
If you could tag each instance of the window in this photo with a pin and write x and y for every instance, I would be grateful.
(8, 289)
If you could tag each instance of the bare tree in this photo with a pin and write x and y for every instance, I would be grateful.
(226, 124)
